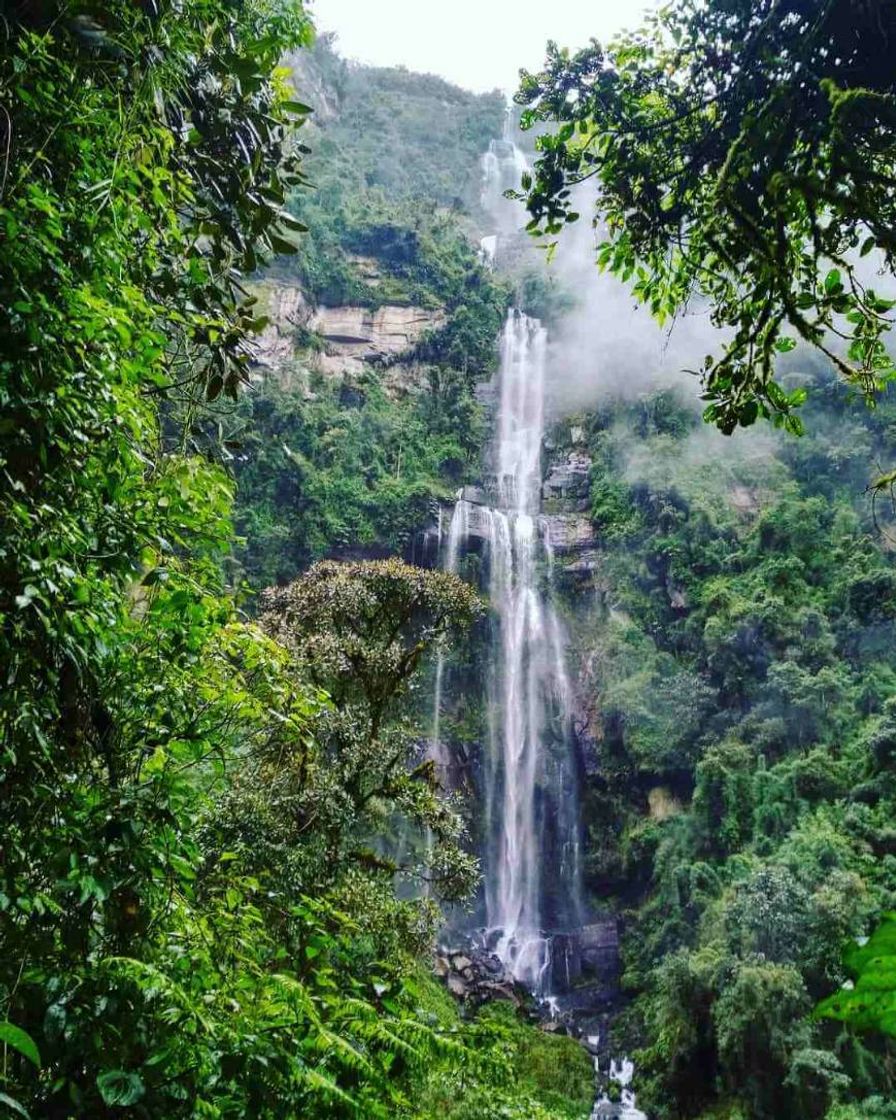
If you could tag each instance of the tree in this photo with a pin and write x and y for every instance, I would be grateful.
(359, 630)
(144, 153)
(745, 155)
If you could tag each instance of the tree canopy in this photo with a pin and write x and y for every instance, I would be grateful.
(744, 155)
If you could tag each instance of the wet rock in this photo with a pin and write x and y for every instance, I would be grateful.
(505, 992)
(569, 532)
(457, 987)
(589, 1001)
(568, 480)
(476, 975)
(599, 944)
(566, 961)
(574, 542)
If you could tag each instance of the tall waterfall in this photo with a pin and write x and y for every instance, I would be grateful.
(529, 694)
(529, 775)
(531, 850)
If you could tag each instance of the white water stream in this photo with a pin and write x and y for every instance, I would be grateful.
(621, 1072)
(529, 685)
(529, 779)
(531, 850)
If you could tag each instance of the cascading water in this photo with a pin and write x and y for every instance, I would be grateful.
(531, 850)
(503, 166)
(529, 691)
(531, 847)
(625, 1108)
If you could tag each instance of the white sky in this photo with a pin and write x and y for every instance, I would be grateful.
(478, 44)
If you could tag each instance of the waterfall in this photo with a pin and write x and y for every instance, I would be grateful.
(529, 777)
(458, 531)
(503, 166)
(529, 694)
(531, 851)
(621, 1073)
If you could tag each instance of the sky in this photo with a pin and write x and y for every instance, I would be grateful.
(478, 44)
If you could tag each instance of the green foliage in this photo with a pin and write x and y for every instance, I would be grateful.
(360, 631)
(396, 170)
(743, 810)
(533, 1075)
(869, 1002)
(744, 155)
(346, 468)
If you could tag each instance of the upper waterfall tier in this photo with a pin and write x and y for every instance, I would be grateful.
(520, 414)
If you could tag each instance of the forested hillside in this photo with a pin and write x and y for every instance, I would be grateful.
(738, 660)
(355, 463)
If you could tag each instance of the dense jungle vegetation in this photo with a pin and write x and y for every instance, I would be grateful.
(193, 921)
(741, 812)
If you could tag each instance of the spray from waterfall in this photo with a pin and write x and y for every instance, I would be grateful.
(458, 530)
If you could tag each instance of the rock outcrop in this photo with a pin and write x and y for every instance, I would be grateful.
(348, 339)
(288, 311)
(569, 531)
(366, 335)
(475, 976)
(568, 480)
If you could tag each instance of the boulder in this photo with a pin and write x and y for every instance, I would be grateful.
(457, 987)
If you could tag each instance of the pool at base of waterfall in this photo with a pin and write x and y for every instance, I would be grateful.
(624, 1108)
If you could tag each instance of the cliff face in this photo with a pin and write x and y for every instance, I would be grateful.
(339, 341)
(569, 530)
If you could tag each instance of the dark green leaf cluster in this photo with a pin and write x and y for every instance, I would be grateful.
(744, 158)
(347, 468)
